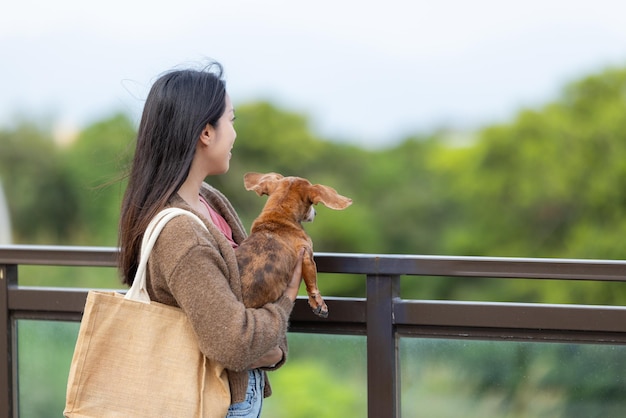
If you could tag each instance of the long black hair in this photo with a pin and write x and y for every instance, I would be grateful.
(179, 106)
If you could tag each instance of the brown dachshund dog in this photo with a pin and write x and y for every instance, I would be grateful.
(267, 257)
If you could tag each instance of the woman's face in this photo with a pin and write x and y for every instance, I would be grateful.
(222, 141)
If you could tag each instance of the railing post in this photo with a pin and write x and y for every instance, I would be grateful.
(383, 397)
(8, 380)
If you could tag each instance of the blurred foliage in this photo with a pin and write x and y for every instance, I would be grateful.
(43, 372)
(41, 201)
(97, 161)
(511, 379)
(329, 379)
(545, 184)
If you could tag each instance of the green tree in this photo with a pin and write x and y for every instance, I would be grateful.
(97, 162)
(548, 183)
(41, 200)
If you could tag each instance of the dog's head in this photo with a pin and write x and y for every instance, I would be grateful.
(295, 194)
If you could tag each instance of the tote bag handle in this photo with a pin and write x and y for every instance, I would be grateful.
(138, 291)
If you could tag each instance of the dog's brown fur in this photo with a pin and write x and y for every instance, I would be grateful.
(268, 256)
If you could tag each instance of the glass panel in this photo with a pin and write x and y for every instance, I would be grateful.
(325, 373)
(45, 351)
(325, 376)
(453, 378)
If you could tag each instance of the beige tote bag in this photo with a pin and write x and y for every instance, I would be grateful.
(136, 358)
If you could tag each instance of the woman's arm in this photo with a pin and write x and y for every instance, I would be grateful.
(188, 263)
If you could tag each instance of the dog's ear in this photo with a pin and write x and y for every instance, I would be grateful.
(261, 183)
(329, 197)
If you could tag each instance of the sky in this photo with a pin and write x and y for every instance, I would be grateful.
(366, 72)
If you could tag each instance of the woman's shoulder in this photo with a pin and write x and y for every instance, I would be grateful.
(184, 231)
(183, 236)
(181, 233)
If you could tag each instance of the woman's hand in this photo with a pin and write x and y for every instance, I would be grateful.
(296, 278)
(269, 359)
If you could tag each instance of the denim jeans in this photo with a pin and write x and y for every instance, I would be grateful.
(251, 406)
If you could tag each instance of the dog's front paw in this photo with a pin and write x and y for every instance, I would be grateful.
(316, 302)
(321, 311)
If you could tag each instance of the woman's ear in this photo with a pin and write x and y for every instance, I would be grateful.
(207, 134)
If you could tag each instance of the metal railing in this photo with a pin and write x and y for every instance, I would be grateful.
(382, 316)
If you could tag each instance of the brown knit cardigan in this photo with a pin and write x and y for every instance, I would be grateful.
(196, 271)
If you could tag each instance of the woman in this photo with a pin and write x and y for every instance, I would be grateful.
(186, 133)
